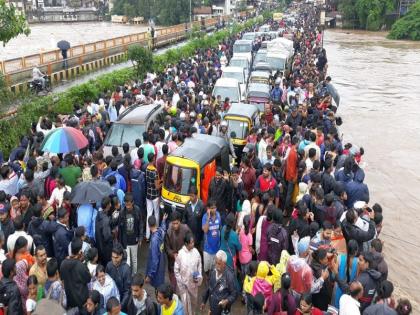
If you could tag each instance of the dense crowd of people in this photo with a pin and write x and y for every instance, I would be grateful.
(289, 230)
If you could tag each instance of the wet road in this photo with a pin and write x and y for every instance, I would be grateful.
(44, 37)
(378, 81)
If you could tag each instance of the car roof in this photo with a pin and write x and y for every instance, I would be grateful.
(138, 114)
(242, 109)
(233, 69)
(258, 73)
(228, 82)
(260, 87)
(261, 64)
(262, 51)
(241, 57)
(200, 148)
(243, 41)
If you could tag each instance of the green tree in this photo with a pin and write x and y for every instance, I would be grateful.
(372, 13)
(11, 23)
(174, 11)
(129, 10)
(407, 27)
(348, 10)
(142, 59)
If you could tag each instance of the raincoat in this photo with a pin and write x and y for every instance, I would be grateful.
(188, 264)
(300, 273)
(263, 282)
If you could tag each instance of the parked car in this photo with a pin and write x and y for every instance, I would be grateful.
(228, 87)
(131, 124)
(241, 62)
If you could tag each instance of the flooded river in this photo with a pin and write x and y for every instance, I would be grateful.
(379, 82)
(44, 37)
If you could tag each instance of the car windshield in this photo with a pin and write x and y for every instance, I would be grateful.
(276, 63)
(179, 180)
(122, 133)
(248, 36)
(234, 75)
(241, 63)
(224, 91)
(242, 48)
(260, 57)
(240, 128)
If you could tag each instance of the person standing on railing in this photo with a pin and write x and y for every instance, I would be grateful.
(64, 55)
(152, 35)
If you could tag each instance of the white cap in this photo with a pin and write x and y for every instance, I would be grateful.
(359, 205)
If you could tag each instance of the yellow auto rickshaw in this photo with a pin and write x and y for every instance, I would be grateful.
(193, 164)
(241, 118)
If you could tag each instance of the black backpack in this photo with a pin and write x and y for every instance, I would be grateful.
(4, 295)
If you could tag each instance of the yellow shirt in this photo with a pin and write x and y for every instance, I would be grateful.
(170, 310)
(40, 274)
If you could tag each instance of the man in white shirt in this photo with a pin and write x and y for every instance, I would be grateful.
(313, 144)
(349, 304)
(11, 240)
(133, 152)
(37, 75)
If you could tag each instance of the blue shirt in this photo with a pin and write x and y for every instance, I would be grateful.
(86, 216)
(212, 237)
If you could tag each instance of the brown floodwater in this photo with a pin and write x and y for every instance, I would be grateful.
(379, 84)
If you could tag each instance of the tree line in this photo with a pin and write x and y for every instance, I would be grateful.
(367, 14)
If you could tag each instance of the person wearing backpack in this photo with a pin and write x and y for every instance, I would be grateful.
(138, 302)
(277, 238)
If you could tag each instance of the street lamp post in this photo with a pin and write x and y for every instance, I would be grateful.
(190, 14)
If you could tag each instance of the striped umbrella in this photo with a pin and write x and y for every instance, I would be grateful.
(64, 140)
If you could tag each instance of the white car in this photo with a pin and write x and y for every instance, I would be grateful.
(243, 48)
(228, 87)
(242, 62)
(238, 74)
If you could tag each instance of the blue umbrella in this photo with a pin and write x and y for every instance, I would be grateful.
(64, 140)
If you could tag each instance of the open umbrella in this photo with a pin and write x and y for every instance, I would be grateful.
(90, 192)
(64, 140)
(63, 45)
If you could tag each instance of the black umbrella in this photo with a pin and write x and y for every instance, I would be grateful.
(63, 45)
(90, 192)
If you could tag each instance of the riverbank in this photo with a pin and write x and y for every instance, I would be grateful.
(378, 81)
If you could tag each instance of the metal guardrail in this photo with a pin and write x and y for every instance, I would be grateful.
(79, 55)
(15, 65)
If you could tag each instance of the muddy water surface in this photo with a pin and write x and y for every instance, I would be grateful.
(379, 85)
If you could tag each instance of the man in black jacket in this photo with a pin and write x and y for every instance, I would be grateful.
(103, 233)
(6, 224)
(131, 232)
(221, 291)
(193, 214)
(62, 235)
(75, 276)
(352, 228)
(137, 302)
(219, 190)
(37, 229)
(10, 294)
(119, 271)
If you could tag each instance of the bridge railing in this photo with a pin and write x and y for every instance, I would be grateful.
(47, 61)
